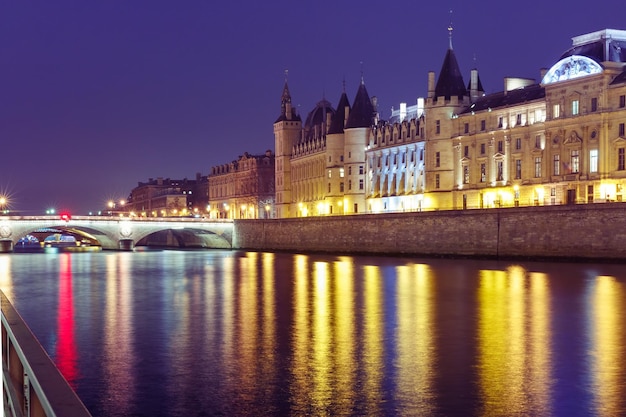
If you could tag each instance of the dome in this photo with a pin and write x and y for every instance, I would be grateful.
(315, 124)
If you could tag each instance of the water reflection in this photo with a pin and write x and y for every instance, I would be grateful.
(238, 333)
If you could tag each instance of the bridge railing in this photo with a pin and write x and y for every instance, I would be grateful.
(32, 384)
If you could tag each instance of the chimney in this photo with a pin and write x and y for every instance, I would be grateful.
(431, 84)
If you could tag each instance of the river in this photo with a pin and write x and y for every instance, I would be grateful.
(235, 333)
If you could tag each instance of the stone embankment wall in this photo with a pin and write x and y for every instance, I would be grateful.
(589, 231)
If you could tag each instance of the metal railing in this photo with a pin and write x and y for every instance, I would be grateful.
(32, 384)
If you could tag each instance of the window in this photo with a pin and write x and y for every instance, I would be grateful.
(500, 122)
(594, 104)
(341, 173)
(482, 148)
(556, 111)
(518, 119)
(620, 159)
(341, 187)
(360, 184)
(621, 129)
(330, 173)
(421, 154)
(350, 170)
(438, 126)
(593, 160)
(575, 106)
(466, 175)
(499, 171)
(575, 162)
(349, 184)
(437, 181)
(538, 141)
(329, 188)
(538, 167)
(518, 169)
(622, 101)
(482, 125)
(518, 144)
(556, 167)
(483, 172)
(466, 129)
(500, 146)
(360, 169)
(437, 159)
(466, 151)
(341, 158)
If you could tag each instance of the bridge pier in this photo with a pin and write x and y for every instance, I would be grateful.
(6, 245)
(126, 244)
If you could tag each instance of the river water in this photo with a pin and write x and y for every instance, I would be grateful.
(233, 333)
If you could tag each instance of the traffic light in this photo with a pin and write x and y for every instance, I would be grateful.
(65, 216)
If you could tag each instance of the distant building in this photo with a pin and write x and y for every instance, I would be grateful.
(243, 189)
(558, 141)
(166, 197)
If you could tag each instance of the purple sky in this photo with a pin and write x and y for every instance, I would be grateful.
(98, 95)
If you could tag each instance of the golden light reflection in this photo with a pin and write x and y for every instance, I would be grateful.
(514, 342)
(301, 336)
(607, 352)
(373, 346)
(344, 330)
(415, 339)
(269, 315)
(118, 330)
(228, 347)
(321, 391)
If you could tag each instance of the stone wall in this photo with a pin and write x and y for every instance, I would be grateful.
(590, 231)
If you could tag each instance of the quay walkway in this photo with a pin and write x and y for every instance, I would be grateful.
(32, 385)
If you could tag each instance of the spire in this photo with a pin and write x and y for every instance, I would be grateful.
(450, 30)
(286, 111)
(343, 111)
(362, 79)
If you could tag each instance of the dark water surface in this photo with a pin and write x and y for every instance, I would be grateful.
(250, 334)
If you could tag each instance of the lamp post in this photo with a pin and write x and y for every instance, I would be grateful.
(3, 203)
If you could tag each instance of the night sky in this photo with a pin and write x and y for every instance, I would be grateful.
(99, 95)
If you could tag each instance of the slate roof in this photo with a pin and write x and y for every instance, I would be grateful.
(615, 51)
(450, 82)
(621, 78)
(512, 97)
(284, 100)
(336, 125)
(362, 112)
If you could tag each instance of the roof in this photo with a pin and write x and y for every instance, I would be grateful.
(450, 82)
(508, 98)
(285, 102)
(601, 46)
(621, 78)
(362, 113)
(336, 125)
(318, 118)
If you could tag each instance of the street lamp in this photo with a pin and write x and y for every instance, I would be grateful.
(3, 203)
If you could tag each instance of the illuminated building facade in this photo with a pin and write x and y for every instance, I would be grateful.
(164, 197)
(559, 141)
(243, 189)
(320, 166)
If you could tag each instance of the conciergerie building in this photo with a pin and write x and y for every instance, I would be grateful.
(559, 141)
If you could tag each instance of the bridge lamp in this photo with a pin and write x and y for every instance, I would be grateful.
(50, 211)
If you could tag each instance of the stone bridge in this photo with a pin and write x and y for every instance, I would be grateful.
(121, 233)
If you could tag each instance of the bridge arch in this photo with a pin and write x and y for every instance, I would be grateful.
(120, 233)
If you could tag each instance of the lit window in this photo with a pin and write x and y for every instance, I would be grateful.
(556, 111)
(593, 160)
(538, 167)
(557, 164)
(575, 106)
(575, 161)
(330, 173)
(341, 173)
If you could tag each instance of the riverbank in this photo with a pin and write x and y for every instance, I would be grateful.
(572, 232)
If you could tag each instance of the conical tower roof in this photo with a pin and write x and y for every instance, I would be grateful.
(362, 112)
(450, 82)
(286, 111)
(336, 125)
